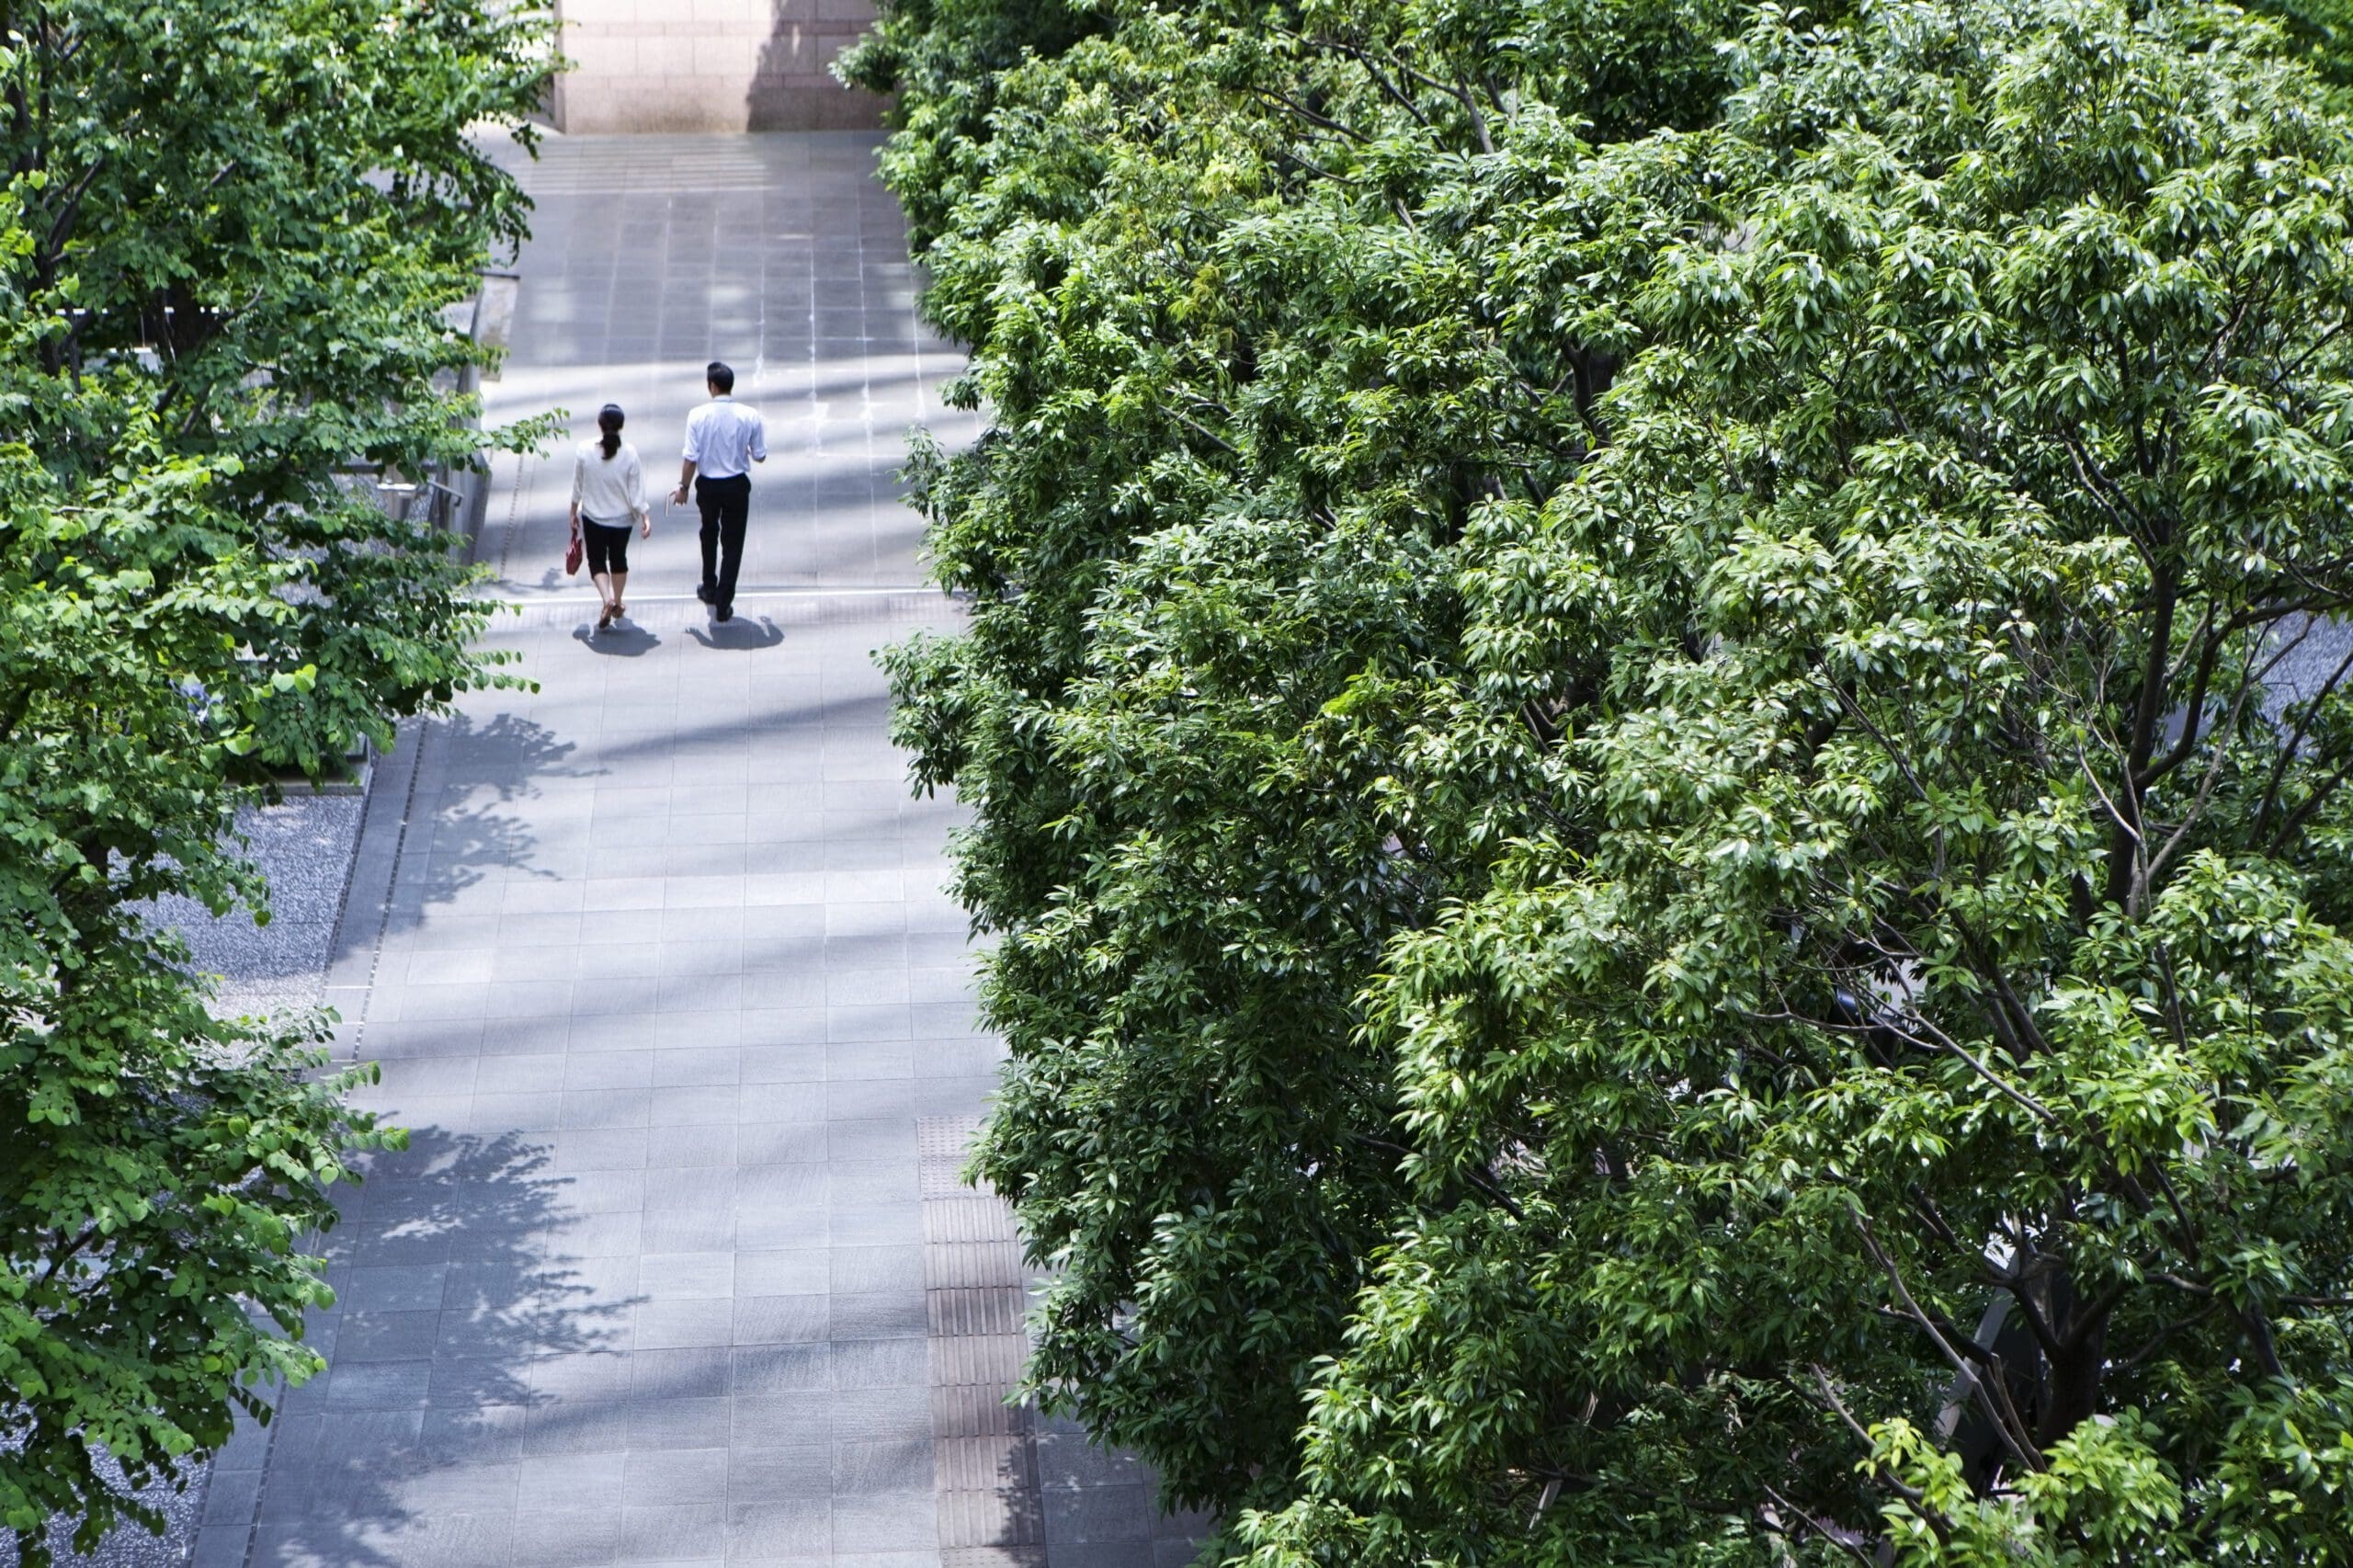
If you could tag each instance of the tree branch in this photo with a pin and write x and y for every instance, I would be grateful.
(2017, 1442)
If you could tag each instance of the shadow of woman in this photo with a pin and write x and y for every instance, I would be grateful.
(625, 641)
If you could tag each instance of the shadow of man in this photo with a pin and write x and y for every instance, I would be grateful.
(740, 636)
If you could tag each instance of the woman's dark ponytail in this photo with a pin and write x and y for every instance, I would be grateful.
(610, 420)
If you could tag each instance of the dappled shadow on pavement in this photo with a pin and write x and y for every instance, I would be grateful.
(452, 1303)
(498, 768)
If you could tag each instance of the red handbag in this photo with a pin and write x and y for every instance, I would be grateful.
(573, 553)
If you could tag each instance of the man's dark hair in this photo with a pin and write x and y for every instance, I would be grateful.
(720, 376)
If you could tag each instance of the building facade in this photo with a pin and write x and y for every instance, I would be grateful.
(654, 65)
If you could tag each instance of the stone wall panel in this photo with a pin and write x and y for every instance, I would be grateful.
(690, 65)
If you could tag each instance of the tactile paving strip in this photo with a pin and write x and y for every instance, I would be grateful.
(760, 613)
(985, 1452)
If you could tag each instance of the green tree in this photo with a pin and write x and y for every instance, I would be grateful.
(1658, 733)
(2325, 29)
(1207, 876)
(227, 238)
(945, 63)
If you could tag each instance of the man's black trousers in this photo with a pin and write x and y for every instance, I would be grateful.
(726, 505)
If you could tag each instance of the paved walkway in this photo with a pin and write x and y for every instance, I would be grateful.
(657, 959)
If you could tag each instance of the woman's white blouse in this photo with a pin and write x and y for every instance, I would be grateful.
(608, 491)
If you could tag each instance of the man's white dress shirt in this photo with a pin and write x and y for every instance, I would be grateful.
(724, 438)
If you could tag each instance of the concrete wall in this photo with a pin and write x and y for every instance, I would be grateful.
(647, 65)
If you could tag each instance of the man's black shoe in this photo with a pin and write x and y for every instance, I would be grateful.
(726, 612)
(705, 591)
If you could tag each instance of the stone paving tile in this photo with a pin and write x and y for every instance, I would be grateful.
(659, 943)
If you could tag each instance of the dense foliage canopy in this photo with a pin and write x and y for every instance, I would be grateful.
(2323, 31)
(228, 237)
(1657, 709)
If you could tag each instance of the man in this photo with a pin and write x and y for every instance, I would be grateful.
(723, 439)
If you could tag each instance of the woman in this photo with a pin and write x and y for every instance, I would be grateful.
(607, 490)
